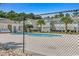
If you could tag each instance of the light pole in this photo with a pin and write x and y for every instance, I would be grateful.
(23, 35)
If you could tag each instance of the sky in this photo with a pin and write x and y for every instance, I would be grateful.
(38, 8)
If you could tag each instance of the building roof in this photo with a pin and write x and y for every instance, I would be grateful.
(60, 12)
(4, 20)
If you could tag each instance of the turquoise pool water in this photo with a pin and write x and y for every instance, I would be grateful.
(39, 34)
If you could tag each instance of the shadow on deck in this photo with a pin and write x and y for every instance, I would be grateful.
(10, 45)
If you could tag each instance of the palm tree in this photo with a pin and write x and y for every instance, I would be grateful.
(40, 22)
(29, 27)
(66, 20)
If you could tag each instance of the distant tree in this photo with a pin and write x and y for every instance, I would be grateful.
(75, 13)
(48, 17)
(19, 19)
(2, 14)
(11, 15)
(37, 17)
(30, 16)
(56, 16)
(67, 14)
(22, 17)
(52, 16)
(61, 14)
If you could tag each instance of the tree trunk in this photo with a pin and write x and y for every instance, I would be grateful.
(65, 28)
(28, 29)
(41, 28)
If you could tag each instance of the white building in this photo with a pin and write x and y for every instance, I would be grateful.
(18, 27)
(4, 23)
(57, 24)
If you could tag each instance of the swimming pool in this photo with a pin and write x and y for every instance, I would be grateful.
(39, 34)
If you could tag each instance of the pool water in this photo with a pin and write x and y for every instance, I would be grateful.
(40, 34)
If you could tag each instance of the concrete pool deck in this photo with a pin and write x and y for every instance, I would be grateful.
(61, 46)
